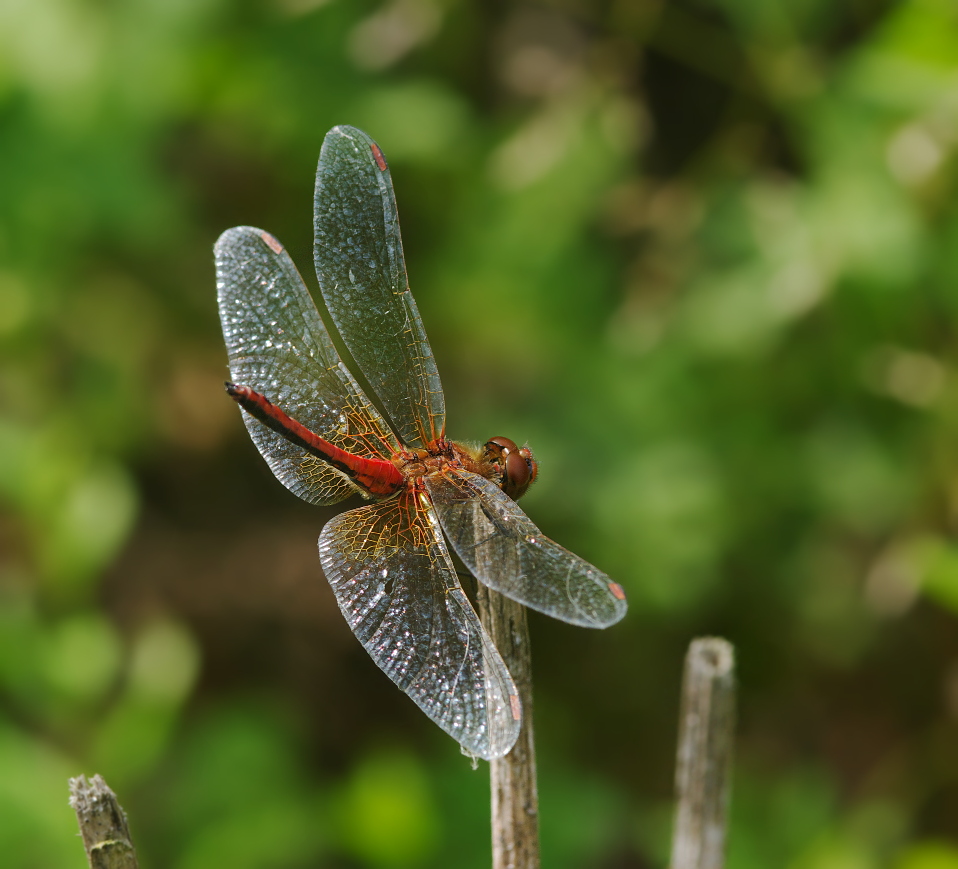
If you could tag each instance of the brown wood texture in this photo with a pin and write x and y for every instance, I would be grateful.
(704, 758)
(103, 825)
(515, 797)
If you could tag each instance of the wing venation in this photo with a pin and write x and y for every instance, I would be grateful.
(362, 272)
(394, 582)
(279, 346)
(508, 553)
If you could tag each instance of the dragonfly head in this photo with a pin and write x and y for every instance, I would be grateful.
(519, 468)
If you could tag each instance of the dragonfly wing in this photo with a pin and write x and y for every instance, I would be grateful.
(362, 273)
(506, 552)
(279, 346)
(395, 584)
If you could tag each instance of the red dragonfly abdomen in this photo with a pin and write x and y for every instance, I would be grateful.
(376, 476)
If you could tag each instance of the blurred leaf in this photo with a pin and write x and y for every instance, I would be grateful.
(386, 816)
(133, 736)
(774, 819)
(937, 562)
(82, 656)
(38, 827)
(928, 855)
(239, 796)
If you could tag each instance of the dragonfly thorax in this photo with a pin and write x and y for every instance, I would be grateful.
(500, 460)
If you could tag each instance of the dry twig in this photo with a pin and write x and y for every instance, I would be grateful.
(103, 825)
(515, 798)
(703, 764)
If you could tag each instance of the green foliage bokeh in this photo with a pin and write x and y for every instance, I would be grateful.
(703, 256)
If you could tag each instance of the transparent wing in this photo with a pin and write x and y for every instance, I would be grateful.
(362, 273)
(278, 345)
(506, 552)
(391, 574)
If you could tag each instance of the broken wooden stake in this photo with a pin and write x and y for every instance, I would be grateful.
(704, 758)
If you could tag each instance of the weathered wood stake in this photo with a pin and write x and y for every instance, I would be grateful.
(515, 798)
(703, 763)
(103, 825)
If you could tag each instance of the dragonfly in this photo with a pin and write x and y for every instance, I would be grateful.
(389, 562)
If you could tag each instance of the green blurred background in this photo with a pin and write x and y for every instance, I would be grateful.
(702, 255)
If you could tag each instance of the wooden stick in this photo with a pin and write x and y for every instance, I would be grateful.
(703, 764)
(515, 798)
(103, 825)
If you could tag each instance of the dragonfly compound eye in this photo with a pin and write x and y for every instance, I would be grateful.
(519, 468)
(501, 445)
(526, 453)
